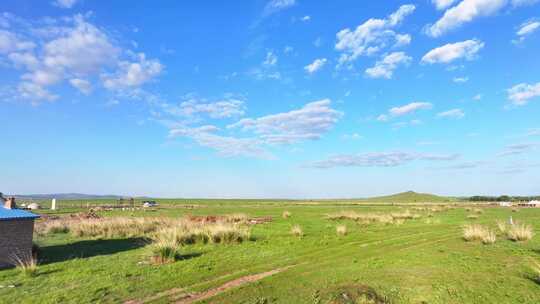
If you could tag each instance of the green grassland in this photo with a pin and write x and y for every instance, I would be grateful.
(423, 260)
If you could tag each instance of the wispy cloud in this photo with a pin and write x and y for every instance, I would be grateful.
(379, 159)
(316, 65)
(516, 149)
(454, 113)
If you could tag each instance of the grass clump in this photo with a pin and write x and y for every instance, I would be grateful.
(368, 218)
(520, 232)
(341, 230)
(27, 264)
(297, 231)
(165, 251)
(286, 214)
(477, 232)
(536, 270)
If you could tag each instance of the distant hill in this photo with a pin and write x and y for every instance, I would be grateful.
(66, 196)
(411, 197)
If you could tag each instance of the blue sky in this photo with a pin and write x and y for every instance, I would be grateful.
(275, 98)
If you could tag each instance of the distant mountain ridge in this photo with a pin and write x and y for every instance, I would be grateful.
(67, 196)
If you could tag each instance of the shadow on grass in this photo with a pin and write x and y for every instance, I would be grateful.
(87, 249)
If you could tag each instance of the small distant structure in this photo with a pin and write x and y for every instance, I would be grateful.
(33, 206)
(505, 204)
(149, 204)
(530, 204)
(16, 232)
(53, 204)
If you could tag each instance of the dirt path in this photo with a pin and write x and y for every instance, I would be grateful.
(194, 297)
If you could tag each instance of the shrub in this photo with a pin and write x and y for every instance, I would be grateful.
(341, 230)
(520, 232)
(472, 217)
(286, 214)
(296, 230)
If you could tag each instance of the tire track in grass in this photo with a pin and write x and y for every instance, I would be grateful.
(195, 297)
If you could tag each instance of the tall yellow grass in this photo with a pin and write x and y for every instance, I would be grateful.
(520, 232)
(475, 232)
(184, 231)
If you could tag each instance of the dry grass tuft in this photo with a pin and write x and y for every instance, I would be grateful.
(297, 231)
(472, 217)
(341, 230)
(478, 211)
(520, 232)
(502, 226)
(27, 264)
(475, 232)
(489, 238)
(515, 210)
(286, 214)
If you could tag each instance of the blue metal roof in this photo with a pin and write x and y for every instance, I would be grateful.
(15, 214)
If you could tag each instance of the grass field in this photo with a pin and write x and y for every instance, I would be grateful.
(418, 260)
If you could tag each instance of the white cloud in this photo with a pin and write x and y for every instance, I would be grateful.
(271, 59)
(81, 50)
(460, 79)
(385, 68)
(306, 18)
(133, 74)
(307, 123)
(477, 97)
(533, 132)
(522, 93)
(83, 85)
(466, 11)
(526, 29)
(24, 60)
(442, 4)
(410, 108)
(316, 65)
(65, 3)
(10, 42)
(467, 49)
(454, 113)
(402, 40)
(372, 36)
(225, 145)
(225, 108)
(275, 6)
(34, 92)
(379, 159)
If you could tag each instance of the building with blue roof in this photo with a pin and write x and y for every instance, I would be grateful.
(16, 233)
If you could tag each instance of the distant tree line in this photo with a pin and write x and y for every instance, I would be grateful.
(502, 198)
